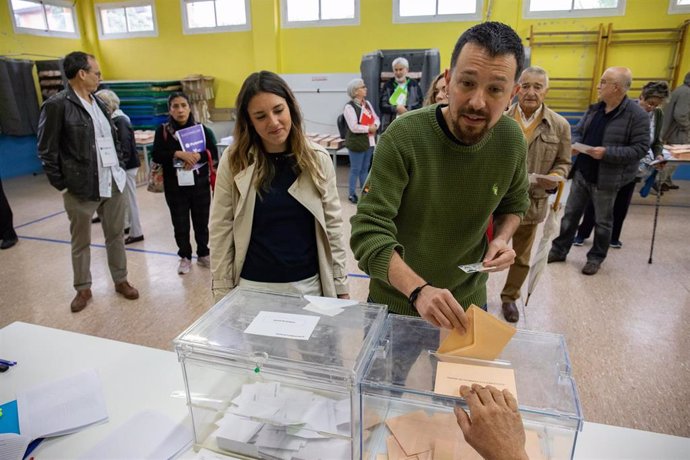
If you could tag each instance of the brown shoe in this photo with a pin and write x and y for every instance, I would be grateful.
(510, 312)
(80, 300)
(590, 268)
(127, 291)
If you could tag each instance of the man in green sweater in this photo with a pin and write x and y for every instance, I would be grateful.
(438, 175)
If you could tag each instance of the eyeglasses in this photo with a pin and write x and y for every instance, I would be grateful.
(98, 74)
(603, 82)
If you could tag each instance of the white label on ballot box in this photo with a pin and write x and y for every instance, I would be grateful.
(185, 177)
(106, 149)
(283, 325)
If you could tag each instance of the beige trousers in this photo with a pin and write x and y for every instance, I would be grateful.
(112, 214)
(309, 286)
(522, 245)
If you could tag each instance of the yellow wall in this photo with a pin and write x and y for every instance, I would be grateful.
(231, 56)
(11, 43)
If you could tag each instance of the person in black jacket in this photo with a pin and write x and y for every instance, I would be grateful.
(129, 150)
(81, 156)
(181, 167)
(653, 96)
(616, 133)
(400, 94)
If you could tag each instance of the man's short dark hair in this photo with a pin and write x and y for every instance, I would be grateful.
(76, 61)
(496, 38)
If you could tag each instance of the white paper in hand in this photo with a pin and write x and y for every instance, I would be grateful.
(579, 147)
(473, 268)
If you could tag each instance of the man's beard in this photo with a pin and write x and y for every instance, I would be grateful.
(472, 135)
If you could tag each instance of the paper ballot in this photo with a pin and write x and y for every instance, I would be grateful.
(550, 177)
(328, 306)
(579, 147)
(451, 376)
(473, 268)
(62, 407)
(146, 435)
(13, 446)
(276, 421)
(283, 325)
(485, 339)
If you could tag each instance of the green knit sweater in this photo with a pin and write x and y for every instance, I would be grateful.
(430, 199)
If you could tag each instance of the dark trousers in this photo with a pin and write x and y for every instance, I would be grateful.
(6, 226)
(620, 210)
(183, 201)
(581, 193)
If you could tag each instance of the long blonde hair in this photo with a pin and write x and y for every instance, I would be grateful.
(248, 147)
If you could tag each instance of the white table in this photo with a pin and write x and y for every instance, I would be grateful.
(136, 378)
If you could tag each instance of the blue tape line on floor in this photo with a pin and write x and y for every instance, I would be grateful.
(144, 251)
(98, 245)
(40, 219)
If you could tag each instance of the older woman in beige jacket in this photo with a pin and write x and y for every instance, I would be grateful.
(274, 176)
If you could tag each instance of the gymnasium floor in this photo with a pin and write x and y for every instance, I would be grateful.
(626, 331)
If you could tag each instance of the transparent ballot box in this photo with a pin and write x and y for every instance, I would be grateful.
(276, 376)
(408, 394)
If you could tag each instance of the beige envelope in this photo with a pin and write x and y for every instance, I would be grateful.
(412, 432)
(486, 338)
(395, 451)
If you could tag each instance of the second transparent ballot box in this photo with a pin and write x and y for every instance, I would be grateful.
(272, 375)
(409, 392)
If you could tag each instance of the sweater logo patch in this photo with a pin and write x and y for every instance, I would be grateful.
(495, 189)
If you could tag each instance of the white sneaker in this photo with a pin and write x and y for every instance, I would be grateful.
(184, 267)
(204, 261)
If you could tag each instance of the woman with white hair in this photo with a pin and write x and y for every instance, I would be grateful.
(129, 151)
(362, 124)
(401, 94)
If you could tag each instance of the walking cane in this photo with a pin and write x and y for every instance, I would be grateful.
(656, 215)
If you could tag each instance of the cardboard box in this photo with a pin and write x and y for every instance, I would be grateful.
(222, 114)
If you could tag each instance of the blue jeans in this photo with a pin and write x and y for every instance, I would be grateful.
(581, 193)
(359, 168)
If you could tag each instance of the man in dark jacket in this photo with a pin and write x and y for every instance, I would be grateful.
(676, 128)
(80, 152)
(400, 94)
(615, 134)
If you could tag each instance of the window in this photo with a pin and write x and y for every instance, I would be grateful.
(572, 8)
(126, 20)
(319, 13)
(48, 17)
(436, 10)
(679, 7)
(210, 16)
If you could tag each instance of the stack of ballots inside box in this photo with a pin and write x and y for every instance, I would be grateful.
(270, 420)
